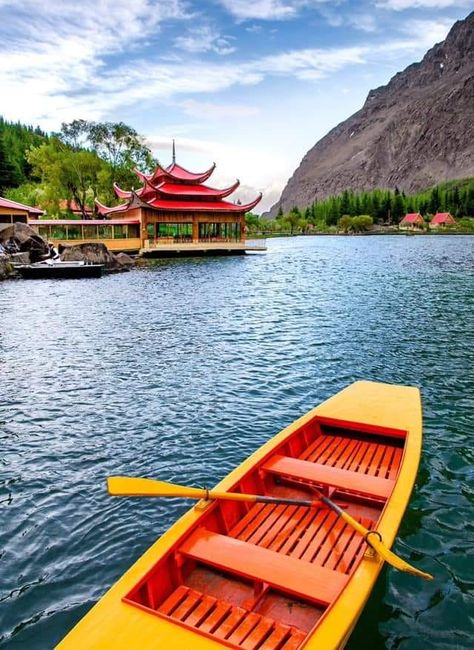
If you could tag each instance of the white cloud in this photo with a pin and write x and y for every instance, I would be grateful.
(429, 31)
(267, 9)
(364, 22)
(401, 5)
(260, 9)
(216, 111)
(204, 38)
(310, 63)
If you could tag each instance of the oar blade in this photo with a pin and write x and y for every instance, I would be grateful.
(127, 486)
(373, 539)
(396, 561)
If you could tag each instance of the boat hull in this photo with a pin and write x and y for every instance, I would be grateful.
(62, 270)
(228, 575)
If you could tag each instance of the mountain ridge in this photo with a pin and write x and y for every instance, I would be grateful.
(413, 132)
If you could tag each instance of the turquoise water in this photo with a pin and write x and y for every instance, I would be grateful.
(180, 370)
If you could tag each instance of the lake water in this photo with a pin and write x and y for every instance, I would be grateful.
(181, 370)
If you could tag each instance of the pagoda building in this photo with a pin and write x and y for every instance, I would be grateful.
(175, 207)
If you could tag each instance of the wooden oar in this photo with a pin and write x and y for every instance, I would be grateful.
(125, 486)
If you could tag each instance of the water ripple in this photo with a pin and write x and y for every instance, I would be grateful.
(182, 369)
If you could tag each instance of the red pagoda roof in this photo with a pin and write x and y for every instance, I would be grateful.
(177, 189)
(175, 172)
(214, 206)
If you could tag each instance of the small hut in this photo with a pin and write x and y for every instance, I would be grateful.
(442, 219)
(412, 221)
(13, 212)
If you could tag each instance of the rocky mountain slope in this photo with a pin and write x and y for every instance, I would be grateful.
(416, 131)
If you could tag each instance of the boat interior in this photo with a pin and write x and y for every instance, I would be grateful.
(261, 576)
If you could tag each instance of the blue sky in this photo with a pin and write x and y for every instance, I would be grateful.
(249, 84)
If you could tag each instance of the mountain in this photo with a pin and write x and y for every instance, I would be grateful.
(416, 131)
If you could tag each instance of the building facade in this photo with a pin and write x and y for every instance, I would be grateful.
(13, 212)
(442, 219)
(412, 221)
(173, 212)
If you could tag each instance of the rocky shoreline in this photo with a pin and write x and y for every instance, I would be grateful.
(20, 244)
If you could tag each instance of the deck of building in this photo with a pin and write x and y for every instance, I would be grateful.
(203, 248)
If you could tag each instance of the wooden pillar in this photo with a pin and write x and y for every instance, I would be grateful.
(195, 230)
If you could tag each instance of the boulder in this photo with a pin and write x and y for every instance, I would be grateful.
(26, 239)
(93, 254)
(125, 260)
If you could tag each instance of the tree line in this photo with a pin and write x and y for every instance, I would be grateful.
(351, 211)
(76, 165)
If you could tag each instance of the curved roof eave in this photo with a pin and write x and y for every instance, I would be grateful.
(213, 192)
(248, 206)
(189, 176)
(122, 194)
(104, 209)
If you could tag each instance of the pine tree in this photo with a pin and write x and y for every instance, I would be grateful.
(398, 207)
(7, 170)
(434, 201)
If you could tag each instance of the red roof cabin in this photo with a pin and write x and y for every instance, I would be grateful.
(13, 212)
(411, 221)
(442, 219)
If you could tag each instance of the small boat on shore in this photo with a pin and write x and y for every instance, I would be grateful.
(284, 553)
(58, 270)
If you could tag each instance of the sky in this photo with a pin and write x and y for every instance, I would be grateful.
(251, 85)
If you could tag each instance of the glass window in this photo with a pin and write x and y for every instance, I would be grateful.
(58, 232)
(43, 231)
(90, 232)
(150, 228)
(105, 232)
(180, 232)
(73, 232)
(120, 232)
(134, 230)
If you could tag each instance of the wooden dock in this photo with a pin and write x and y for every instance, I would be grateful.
(203, 248)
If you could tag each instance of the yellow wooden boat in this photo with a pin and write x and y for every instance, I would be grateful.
(283, 575)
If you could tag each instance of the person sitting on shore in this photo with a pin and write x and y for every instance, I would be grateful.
(11, 246)
(53, 252)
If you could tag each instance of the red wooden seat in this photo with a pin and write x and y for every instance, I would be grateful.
(371, 486)
(288, 574)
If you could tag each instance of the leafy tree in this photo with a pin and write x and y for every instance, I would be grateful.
(122, 147)
(293, 218)
(67, 174)
(345, 223)
(362, 223)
